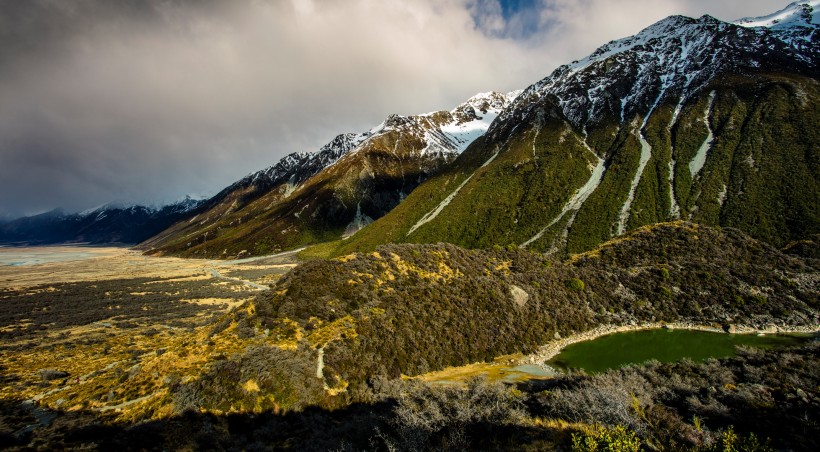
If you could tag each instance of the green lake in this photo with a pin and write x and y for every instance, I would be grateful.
(619, 349)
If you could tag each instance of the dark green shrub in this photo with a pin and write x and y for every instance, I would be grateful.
(574, 284)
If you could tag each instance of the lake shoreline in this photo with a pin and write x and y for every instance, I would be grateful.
(551, 349)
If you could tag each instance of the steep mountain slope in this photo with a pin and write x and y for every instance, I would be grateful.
(696, 119)
(311, 197)
(110, 223)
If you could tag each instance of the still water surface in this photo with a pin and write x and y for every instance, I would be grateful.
(619, 349)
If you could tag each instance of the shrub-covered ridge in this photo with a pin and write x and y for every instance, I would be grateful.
(409, 309)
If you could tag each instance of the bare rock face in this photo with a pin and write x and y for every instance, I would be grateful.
(520, 297)
(52, 374)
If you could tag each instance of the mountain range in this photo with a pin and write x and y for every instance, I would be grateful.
(312, 197)
(694, 119)
(108, 223)
(666, 181)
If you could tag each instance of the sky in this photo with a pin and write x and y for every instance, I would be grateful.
(145, 101)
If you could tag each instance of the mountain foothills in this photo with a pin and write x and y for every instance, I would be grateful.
(109, 223)
(312, 197)
(322, 361)
(409, 309)
(695, 119)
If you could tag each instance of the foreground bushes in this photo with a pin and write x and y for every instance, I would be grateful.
(260, 378)
(755, 402)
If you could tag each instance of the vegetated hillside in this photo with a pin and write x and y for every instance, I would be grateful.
(758, 401)
(106, 224)
(282, 371)
(409, 309)
(313, 197)
(692, 119)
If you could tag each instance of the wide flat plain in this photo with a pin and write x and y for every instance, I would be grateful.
(99, 317)
(33, 266)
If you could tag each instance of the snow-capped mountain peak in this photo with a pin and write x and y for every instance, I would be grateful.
(442, 131)
(490, 100)
(673, 59)
(797, 14)
(112, 205)
(473, 118)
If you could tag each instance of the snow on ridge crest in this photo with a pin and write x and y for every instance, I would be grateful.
(797, 14)
(674, 58)
(443, 132)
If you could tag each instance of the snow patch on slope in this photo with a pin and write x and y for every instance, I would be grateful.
(674, 208)
(646, 154)
(429, 216)
(462, 135)
(577, 200)
(700, 157)
(470, 121)
(359, 221)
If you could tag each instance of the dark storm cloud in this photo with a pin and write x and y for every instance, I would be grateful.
(148, 100)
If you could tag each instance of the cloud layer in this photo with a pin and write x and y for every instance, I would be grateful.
(149, 100)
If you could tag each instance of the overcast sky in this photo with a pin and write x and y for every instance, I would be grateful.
(146, 101)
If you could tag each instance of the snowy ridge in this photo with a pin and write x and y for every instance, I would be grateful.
(454, 131)
(795, 24)
(296, 167)
(185, 204)
(442, 132)
(673, 59)
(113, 222)
(474, 117)
(116, 205)
(797, 14)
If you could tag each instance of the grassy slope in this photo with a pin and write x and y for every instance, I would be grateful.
(769, 118)
(318, 211)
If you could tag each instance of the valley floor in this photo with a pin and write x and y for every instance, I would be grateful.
(33, 266)
(76, 321)
(113, 349)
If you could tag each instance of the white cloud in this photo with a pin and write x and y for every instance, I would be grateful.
(108, 100)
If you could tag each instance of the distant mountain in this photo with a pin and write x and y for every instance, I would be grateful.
(312, 197)
(109, 223)
(693, 119)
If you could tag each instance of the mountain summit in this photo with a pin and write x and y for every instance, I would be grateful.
(697, 119)
(311, 197)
